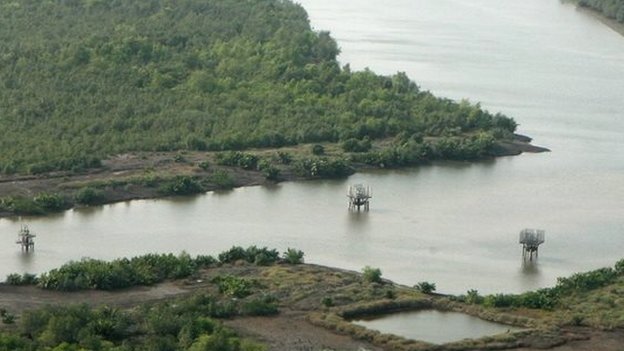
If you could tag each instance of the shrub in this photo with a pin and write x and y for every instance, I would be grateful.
(284, 157)
(205, 165)
(181, 185)
(293, 256)
(237, 158)
(14, 279)
(323, 167)
(371, 275)
(473, 297)
(318, 150)
(178, 158)
(354, 145)
(26, 279)
(271, 173)
(233, 286)
(222, 179)
(8, 318)
(259, 307)
(89, 196)
(327, 301)
(232, 255)
(426, 287)
(50, 202)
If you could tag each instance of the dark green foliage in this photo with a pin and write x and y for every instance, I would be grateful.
(222, 179)
(613, 9)
(96, 78)
(371, 275)
(549, 298)
(122, 273)
(293, 256)
(205, 165)
(89, 196)
(239, 159)
(182, 324)
(259, 256)
(327, 301)
(323, 168)
(284, 157)
(25, 279)
(260, 307)
(269, 171)
(50, 202)
(181, 185)
(354, 145)
(318, 149)
(179, 158)
(586, 281)
(234, 286)
(20, 205)
(426, 287)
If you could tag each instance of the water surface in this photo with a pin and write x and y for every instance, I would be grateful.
(434, 326)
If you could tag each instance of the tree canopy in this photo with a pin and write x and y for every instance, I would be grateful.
(613, 9)
(85, 79)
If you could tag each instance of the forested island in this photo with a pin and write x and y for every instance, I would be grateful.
(86, 83)
(613, 9)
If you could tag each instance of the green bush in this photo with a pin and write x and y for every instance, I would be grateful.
(89, 196)
(234, 286)
(25, 279)
(14, 279)
(354, 145)
(284, 157)
(259, 256)
(181, 185)
(205, 165)
(50, 202)
(293, 256)
(318, 150)
(327, 301)
(259, 307)
(426, 287)
(222, 179)
(122, 273)
(371, 275)
(323, 168)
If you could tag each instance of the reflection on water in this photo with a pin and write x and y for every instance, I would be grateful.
(530, 267)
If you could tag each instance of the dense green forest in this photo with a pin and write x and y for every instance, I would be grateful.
(613, 9)
(183, 324)
(85, 79)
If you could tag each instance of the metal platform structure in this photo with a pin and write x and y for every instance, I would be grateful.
(359, 196)
(531, 239)
(25, 238)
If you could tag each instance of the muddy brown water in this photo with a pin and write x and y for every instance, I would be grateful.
(558, 72)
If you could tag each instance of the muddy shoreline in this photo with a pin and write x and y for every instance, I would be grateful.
(121, 177)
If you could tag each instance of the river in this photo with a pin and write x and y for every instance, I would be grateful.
(557, 71)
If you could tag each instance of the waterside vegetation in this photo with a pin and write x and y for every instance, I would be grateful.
(257, 281)
(612, 9)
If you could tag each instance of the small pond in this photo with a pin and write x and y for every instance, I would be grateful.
(434, 326)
